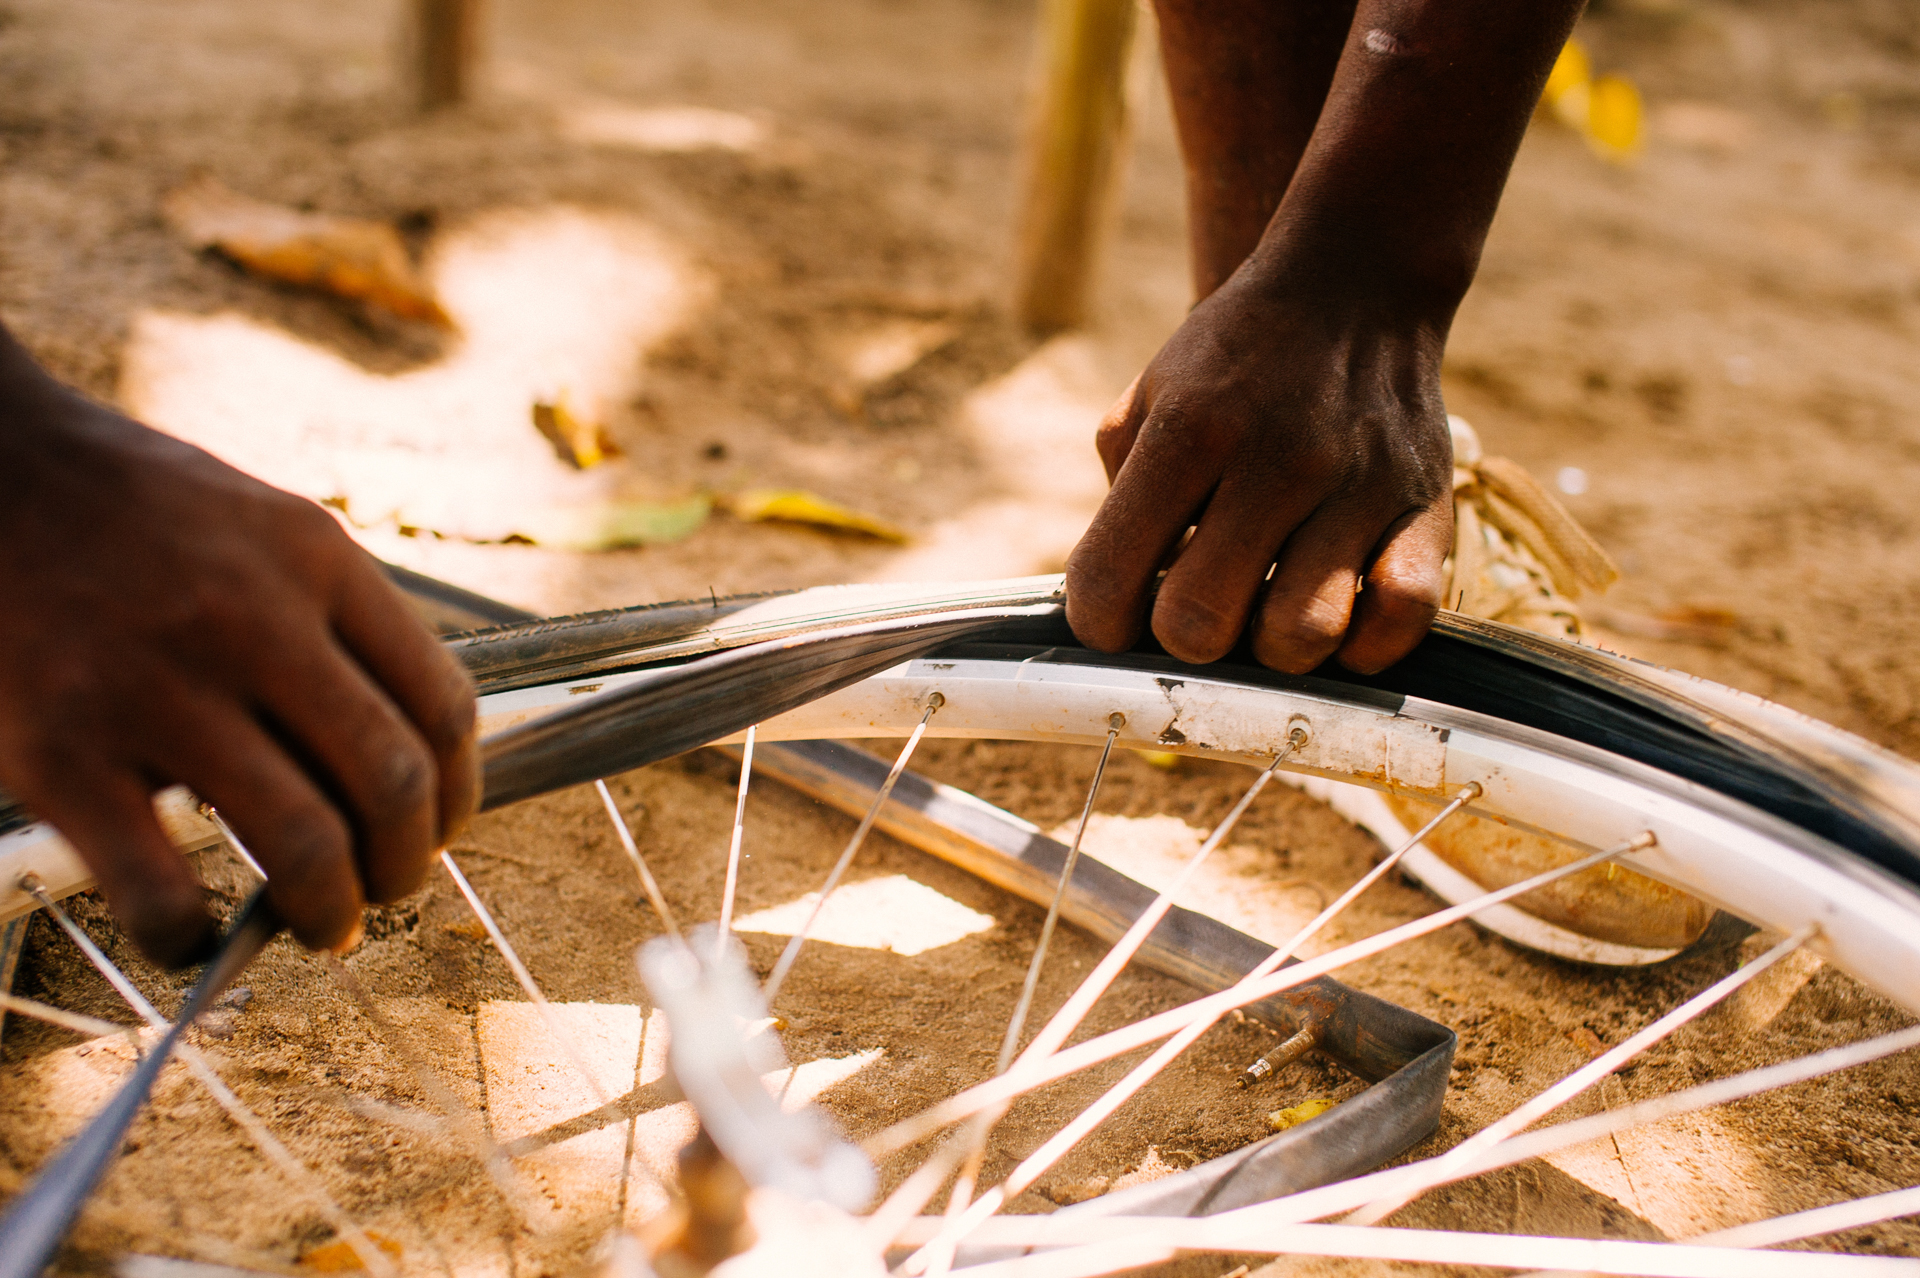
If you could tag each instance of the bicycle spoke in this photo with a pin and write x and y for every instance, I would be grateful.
(1328, 1200)
(1026, 1075)
(903, 1205)
(1586, 1076)
(791, 953)
(522, 975)
(1056, 1147)
(233, 840)
(1820, 1220)
(269, 1145)
(92, 1026)
(939, 1257)
(1097, 1245)
(466, 1123)
(647, 882)
(1063, 1022)
(724, 931)
(1018, 1021)
(125, 988)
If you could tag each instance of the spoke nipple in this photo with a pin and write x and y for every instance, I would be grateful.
(1299, 732)
(935, 701)
(1471, 791)
(1116, 721)
(30, 883)
(1641, 841)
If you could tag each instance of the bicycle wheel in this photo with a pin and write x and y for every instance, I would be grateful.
(1781, 821)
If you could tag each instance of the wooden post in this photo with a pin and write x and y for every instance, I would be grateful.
(1075, 143)
(445, 51)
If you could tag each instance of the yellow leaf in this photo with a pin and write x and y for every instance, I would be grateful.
(337, 1257)
(349, 257)
(792, 505)
(1568, 85)
(1614, 118)
(610, 525)
(1294, 1115)
(581, 444)
(1165, 760)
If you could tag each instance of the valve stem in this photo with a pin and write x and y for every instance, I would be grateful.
(1289, 1051)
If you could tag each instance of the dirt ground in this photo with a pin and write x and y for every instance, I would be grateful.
(802, 284)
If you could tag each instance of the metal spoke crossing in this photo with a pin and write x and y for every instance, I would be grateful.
(1089, 1246)
(262, 1139)
(791, 953)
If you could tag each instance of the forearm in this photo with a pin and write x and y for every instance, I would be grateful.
(1392, 199)
(1248, 79)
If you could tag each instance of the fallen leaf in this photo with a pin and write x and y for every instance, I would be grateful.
(1586, 1040)
(1165, 760)
(581, 444)
(1606, 110)
(337, 1257)
(1294, 1115)
(613, 524)
(1614, 118)
(792, 505)
(664, 129)
(362, 260)
(1569, 85)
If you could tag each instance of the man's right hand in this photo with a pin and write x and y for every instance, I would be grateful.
(165, 619)
(1303, 439)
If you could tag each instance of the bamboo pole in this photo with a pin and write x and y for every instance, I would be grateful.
(445, 51)
(1075, 145)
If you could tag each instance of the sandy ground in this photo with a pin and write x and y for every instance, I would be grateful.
(1721, 338)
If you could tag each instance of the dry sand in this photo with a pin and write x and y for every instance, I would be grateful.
(1721, 337)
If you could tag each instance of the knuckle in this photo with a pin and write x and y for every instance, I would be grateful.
(1114, 430)
(1403, 594)
(1177, 431)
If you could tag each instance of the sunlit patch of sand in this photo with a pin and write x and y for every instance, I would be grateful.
(552, 302)
(1237, 884)
(1687, 1175)
(1034, 428)
(662, 128)
(533, 1082)
(892, 913)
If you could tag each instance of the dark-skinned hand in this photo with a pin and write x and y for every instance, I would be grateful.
(1343, 165)
(1294, 437)
(171, 620)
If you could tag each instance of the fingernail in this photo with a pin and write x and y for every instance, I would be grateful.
(354, 938)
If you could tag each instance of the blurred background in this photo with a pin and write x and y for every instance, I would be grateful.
(582, 303)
